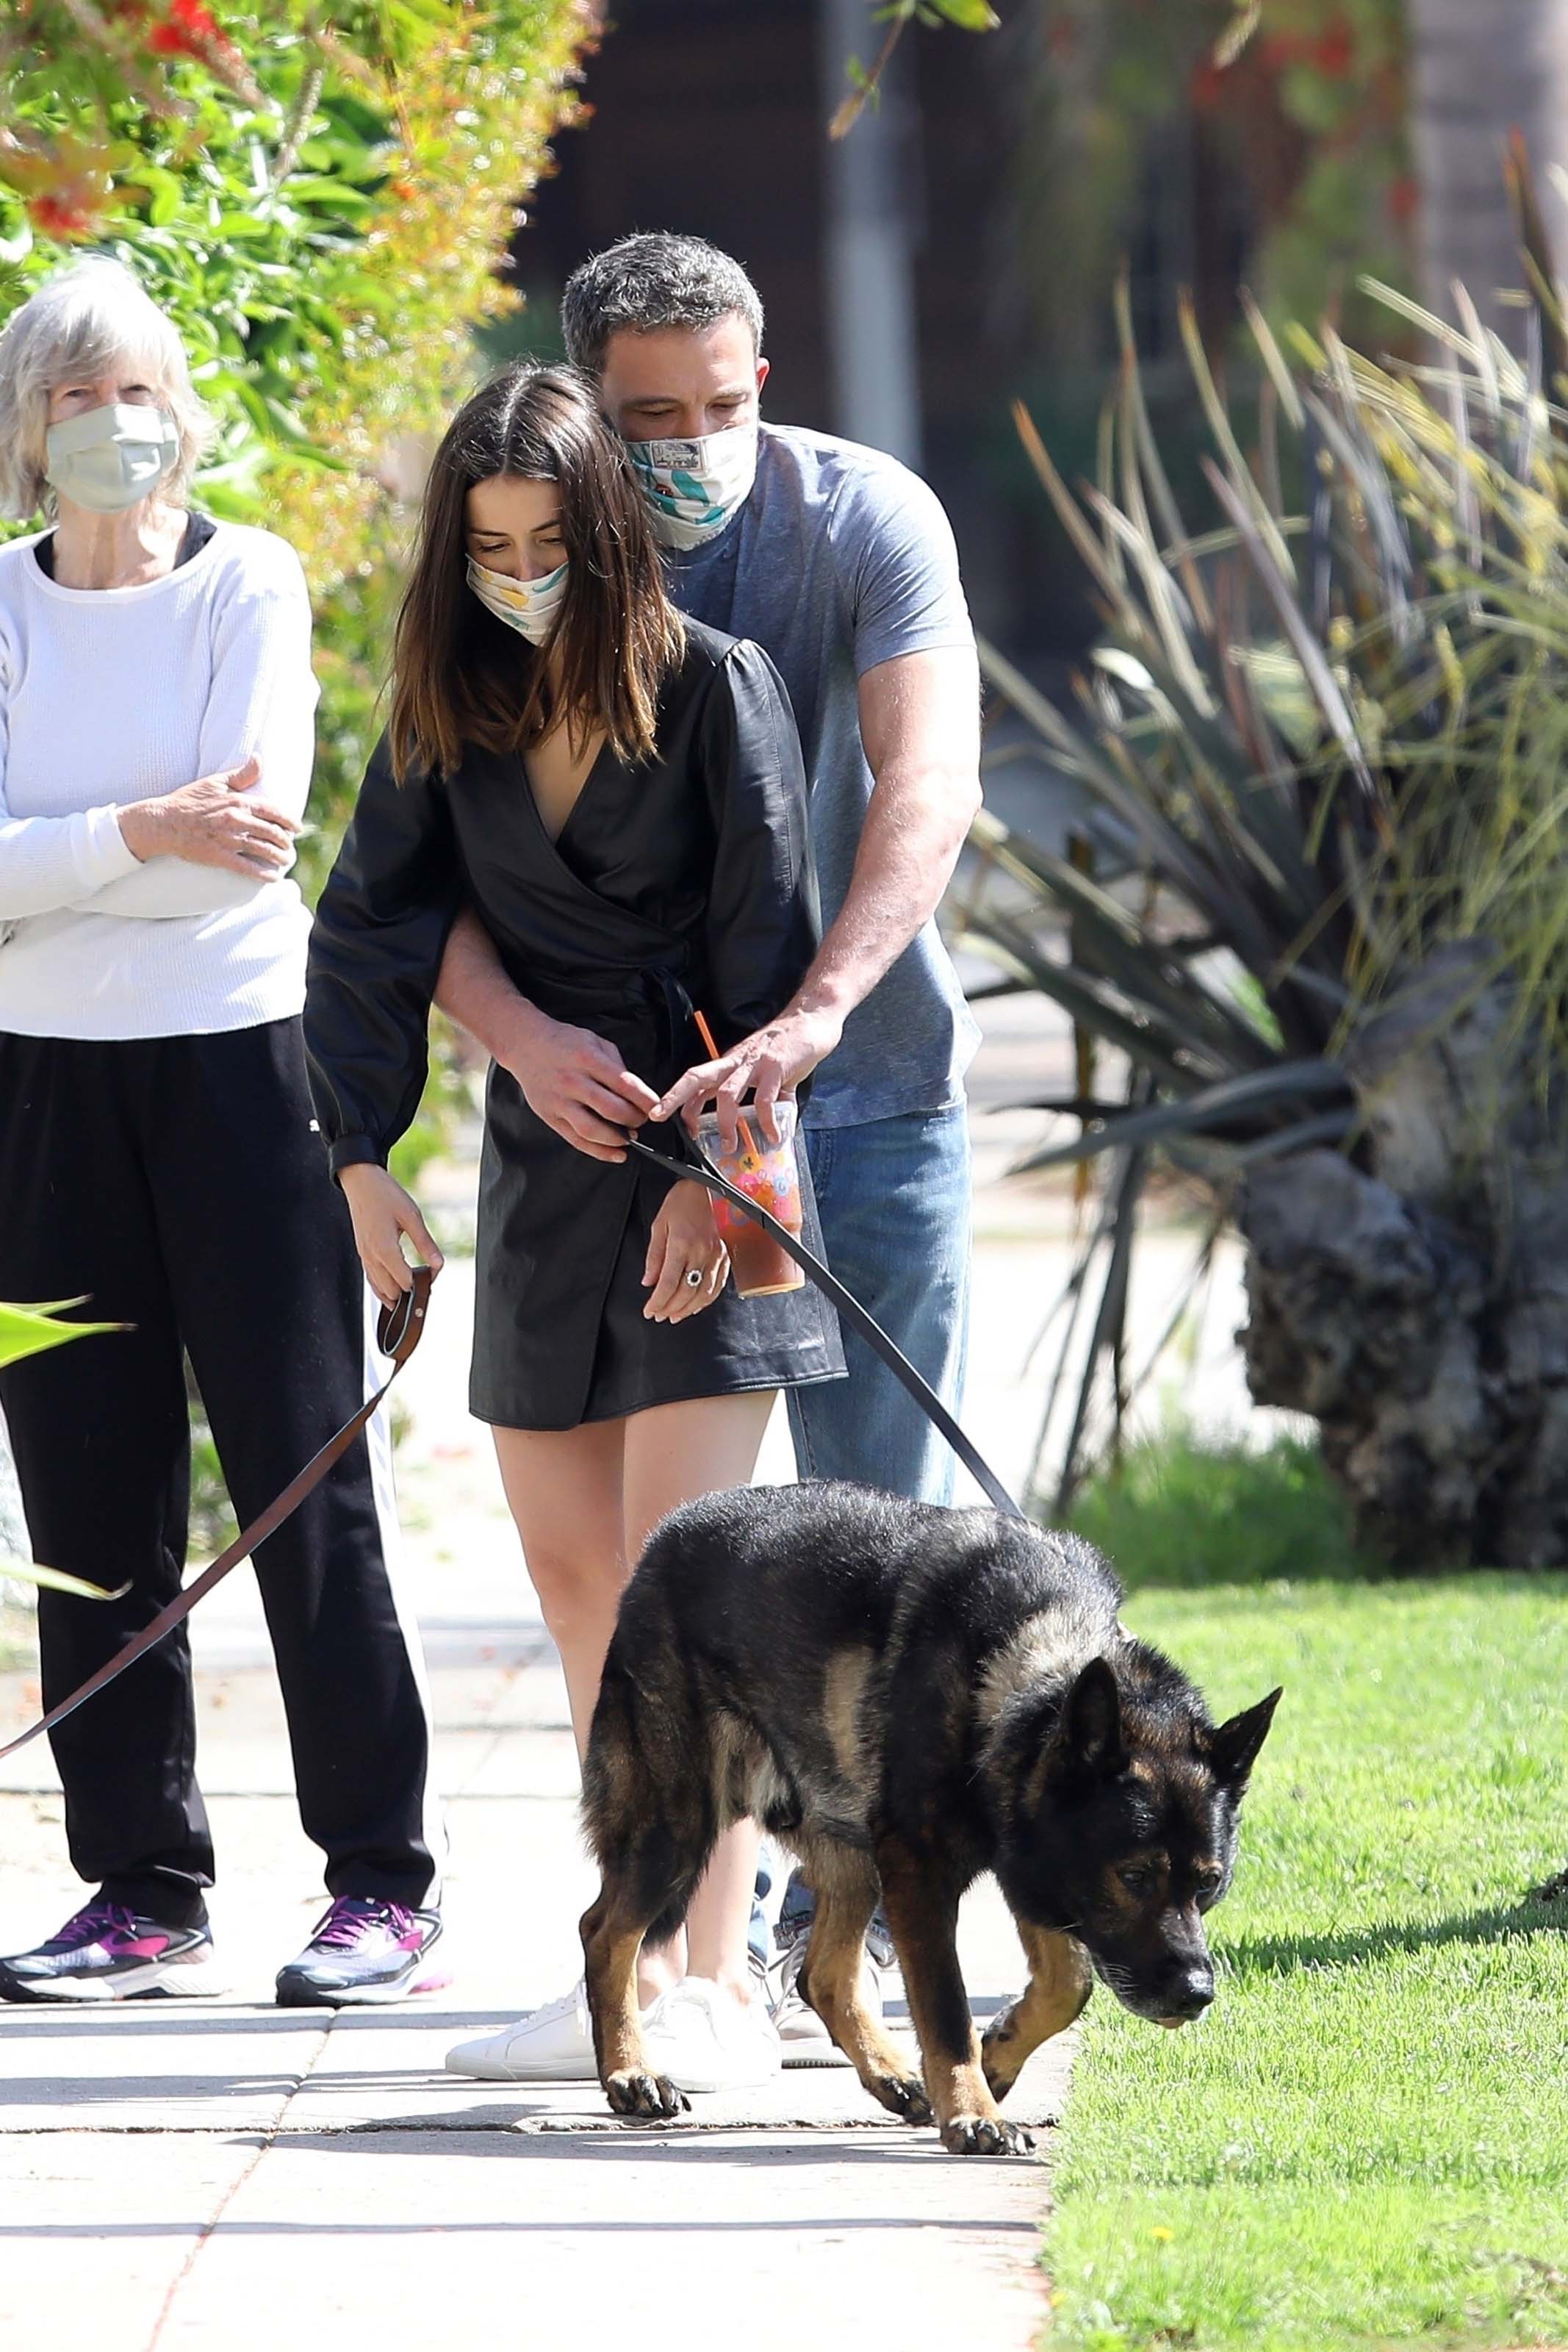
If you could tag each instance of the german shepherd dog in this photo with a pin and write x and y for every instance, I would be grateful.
(906, 1696)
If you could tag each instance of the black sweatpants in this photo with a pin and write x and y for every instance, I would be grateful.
(178, 1181)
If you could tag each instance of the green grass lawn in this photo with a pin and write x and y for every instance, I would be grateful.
(1366, 2141)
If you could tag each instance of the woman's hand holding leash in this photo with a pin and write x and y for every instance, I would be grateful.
(211, 823)
(382, 1213)
(688, 1264)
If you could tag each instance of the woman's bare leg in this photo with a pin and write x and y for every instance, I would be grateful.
(674, 1453)
(564, 1491)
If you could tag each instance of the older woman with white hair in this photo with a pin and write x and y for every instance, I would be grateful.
(158, 1154)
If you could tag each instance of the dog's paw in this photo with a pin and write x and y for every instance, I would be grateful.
(902, 2094)
(651, 2095)
(985, 2136)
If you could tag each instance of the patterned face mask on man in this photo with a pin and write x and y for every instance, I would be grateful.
(694, 488)
(529, 606)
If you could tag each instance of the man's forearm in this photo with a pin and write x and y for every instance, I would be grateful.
(913, 830)
(474, 987)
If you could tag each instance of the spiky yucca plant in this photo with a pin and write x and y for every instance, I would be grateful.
(1326, 926)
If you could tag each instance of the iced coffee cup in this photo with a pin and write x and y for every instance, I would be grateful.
(766, 1172)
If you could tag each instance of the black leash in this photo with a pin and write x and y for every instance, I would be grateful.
(698, 1164)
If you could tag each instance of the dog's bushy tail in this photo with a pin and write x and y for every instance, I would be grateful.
(647, 1803)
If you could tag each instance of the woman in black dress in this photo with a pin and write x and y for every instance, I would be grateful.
(619, 795)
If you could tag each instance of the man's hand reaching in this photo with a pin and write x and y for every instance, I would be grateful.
(769, 1063)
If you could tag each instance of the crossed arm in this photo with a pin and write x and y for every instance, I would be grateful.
(212, 842)
(919, 720)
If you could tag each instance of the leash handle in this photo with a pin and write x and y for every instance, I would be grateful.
(398, 1334)
(698, 1164)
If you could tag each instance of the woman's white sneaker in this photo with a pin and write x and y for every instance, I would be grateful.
(702, 2039)
(552, 2045)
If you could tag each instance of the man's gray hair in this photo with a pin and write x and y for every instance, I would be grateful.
(91, 320)
(651, 281)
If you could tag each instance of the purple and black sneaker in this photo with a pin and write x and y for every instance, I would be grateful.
(105, 1952)
(362, 1951)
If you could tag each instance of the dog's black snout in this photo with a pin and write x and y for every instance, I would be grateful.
(1192, 1993)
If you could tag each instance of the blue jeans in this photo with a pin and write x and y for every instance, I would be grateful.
(894, 1201)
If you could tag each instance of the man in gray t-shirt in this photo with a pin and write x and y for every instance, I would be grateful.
(840, 565)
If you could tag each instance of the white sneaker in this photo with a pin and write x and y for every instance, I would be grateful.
(803, 2038)
(705, 2040)
(552, 2045)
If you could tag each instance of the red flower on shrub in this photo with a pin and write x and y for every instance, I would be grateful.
(63, 183)
(188, 30)
(69, 213)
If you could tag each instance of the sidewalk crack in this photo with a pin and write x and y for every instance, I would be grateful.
(267, 2139)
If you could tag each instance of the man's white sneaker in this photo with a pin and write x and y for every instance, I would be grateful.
(803, 2038)
(552, 2045)
(703, 2039)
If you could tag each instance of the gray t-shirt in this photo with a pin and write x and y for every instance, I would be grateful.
(842, 558)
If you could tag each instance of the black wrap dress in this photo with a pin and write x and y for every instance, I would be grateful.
(681, 882)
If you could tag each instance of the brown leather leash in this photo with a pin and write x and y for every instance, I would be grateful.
(397, 1336)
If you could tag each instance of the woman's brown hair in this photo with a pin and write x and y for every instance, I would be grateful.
(462, 676)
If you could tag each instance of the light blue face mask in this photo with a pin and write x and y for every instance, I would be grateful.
(111, 458)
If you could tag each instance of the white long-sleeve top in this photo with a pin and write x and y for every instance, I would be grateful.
(109, 695)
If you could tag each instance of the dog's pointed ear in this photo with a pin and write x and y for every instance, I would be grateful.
(1092, 1721)
(1233, 1748)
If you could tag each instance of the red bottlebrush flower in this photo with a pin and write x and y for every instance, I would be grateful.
(64, 183)
(64, 215)
(1404, 197)
(188, 30)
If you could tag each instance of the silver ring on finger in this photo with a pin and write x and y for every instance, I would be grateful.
(694, 1278)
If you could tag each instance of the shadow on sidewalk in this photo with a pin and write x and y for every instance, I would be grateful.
(618, 2227)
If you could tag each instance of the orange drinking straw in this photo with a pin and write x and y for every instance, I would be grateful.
(706, 1034)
